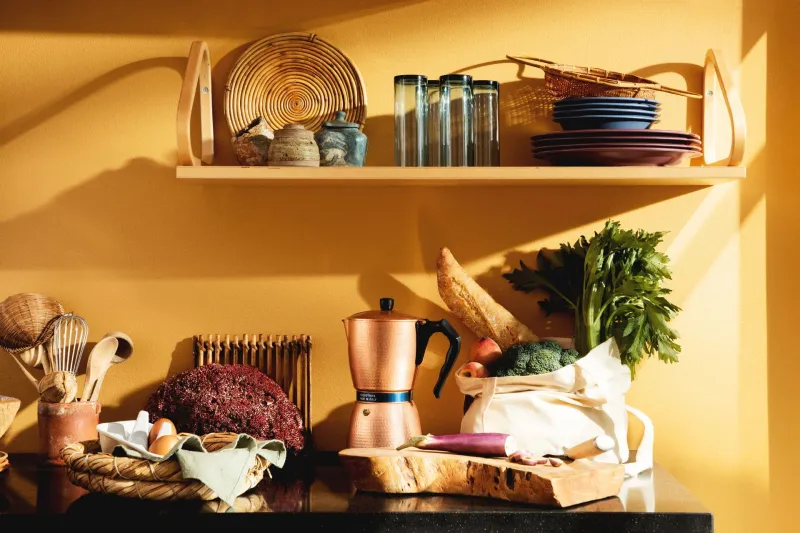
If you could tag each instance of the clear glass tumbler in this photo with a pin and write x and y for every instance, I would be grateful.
(434, 118)
(486, 96)
(410, 120)
(457, 139)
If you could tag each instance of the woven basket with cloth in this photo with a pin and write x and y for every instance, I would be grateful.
(192, 471)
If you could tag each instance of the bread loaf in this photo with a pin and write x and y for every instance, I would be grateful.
(475, 308)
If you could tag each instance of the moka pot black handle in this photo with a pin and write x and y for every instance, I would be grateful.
(425, 329)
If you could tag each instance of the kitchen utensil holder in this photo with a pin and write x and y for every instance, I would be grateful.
(61, 424)
(287, 361)
(130, 477)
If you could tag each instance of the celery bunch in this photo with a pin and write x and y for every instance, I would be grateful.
(613, 285)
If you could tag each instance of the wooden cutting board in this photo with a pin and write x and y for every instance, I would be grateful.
(415, 471)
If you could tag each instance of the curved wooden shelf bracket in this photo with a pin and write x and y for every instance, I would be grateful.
(717, 79)
(197, 80)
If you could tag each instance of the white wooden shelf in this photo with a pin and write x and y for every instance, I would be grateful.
(462, 176)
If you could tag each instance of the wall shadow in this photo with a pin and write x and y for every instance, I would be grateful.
(336, 426)
(191, 227)
(693, 76)
(526, 108)
(521, 305)
(29, 121)
(201, 17)
(221, 68)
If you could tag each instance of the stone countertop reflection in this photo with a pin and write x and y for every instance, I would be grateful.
(653, 501)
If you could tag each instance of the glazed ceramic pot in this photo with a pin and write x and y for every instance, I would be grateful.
(294, 146)
(251, 145)
(338, 134)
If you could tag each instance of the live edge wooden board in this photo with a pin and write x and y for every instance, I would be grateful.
(413, 471)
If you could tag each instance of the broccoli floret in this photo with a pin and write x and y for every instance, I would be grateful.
(569, 356)
(529, 358)
(550, 345)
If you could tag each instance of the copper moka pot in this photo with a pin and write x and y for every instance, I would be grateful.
(385, 347)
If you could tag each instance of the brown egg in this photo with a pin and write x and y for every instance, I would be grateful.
(163, 444)
(156, 429)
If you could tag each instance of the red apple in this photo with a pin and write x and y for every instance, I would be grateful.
(485, 351)
(474, 370)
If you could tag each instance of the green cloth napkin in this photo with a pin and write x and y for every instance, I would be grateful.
(223, 471)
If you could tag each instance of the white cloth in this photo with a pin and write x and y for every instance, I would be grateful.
(549, 413)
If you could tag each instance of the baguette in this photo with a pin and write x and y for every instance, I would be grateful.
(475, 308)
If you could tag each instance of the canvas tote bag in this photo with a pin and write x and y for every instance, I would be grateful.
(549, 413)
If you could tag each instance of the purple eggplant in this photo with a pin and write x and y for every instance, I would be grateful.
(478, 444)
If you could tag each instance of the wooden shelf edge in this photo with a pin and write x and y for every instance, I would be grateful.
(491, 176)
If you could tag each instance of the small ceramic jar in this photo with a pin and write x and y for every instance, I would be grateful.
(336, 132)
(251, 145)
(294, 146)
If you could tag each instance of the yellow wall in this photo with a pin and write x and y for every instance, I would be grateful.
(90, 211)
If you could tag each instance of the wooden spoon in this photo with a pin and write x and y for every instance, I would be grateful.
(112, 349)
(97, 365)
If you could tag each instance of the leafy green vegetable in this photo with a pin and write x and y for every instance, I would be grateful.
(569, 357)
(559, 273)
(530, 358)
(613, 285)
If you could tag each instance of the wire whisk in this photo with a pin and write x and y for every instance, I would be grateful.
(69, 340)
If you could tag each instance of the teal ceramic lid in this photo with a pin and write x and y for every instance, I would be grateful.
(339, 122)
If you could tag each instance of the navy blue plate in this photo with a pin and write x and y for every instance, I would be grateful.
(596, 99)
(604, 133)
(606, 122)
(631, 107)
(606, 111)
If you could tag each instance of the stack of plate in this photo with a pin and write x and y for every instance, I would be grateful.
(627, 147)
(592, 113)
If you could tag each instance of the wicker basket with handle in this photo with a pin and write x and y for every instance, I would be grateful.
(130, 477)
(570, 81)
(27, 320)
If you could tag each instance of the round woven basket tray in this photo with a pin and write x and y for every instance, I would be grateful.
(293, 78)
(129, 477)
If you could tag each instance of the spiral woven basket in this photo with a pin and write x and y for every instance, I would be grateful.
(27, 320)
(293, 78)
(130, 477)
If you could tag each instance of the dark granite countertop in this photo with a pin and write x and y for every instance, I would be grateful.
(653, 502)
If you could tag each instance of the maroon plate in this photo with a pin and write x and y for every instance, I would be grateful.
(594, 133)
(617, 157)
(612, 139)
(571, 146)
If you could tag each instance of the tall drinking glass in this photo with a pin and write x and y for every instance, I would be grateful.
(434, 119)
(457, 139)
(410, 120)
(487, 129)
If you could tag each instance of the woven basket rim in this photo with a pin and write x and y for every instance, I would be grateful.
(77, 459)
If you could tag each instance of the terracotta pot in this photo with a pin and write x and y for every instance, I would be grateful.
(294, 146)
(64, 423)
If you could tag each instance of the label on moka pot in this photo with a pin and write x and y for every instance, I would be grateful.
(383, 397)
